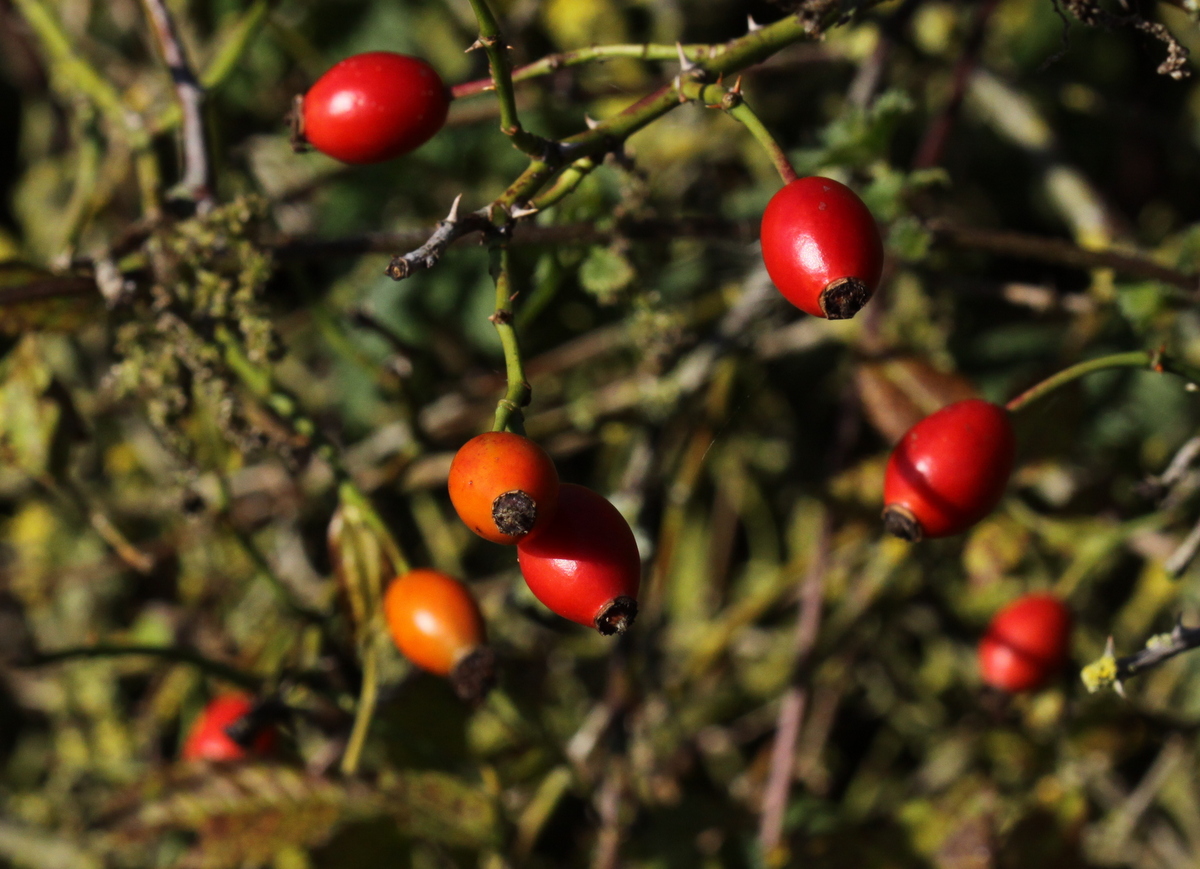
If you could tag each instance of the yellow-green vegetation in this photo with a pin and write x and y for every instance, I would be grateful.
(224, 428)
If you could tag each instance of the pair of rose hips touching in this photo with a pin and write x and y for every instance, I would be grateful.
(575, 550)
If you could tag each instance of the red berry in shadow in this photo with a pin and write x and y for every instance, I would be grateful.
(209, 737)
(1026, 643)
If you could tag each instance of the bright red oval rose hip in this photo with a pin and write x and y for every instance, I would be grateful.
(585, 565)
(948, 471)
(821, 247)
(209, 739)
(374, 106)
(1026, 643)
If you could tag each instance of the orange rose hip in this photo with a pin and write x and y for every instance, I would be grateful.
(503, 486)
(436, 624)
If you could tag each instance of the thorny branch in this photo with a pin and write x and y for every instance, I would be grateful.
(448, 231)
(608, 135)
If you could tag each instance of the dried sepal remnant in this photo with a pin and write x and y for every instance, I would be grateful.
(617, 617)
(514, 513)
(1092, 14)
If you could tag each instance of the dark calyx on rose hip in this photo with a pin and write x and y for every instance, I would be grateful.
(503, 486)
(515, 513)
(822, 247)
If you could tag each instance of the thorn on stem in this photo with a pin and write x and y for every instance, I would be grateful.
(522, 211)
(452, 217)
(752, 25)
(591, 122)
(474, 46)
(737, 86)
(685, 65)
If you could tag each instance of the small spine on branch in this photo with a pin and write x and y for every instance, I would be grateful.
(1109, 671)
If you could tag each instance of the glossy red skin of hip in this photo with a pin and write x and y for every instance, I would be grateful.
(1026, 643)
(207, 739)
(584, 559)
(951, 468)
(816, 231)
(374, 106)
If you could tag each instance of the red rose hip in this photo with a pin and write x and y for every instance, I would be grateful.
(1026, 643)
(209, 739)
(948, 471)
(821, 247)
(585, 565)
(374, 106)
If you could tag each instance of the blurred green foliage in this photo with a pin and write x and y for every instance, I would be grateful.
(146, 503)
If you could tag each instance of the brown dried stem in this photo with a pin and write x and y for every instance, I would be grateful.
(197, 167)
(792, 707)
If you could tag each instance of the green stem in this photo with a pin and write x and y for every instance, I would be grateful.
(265, 569)
(81, 205)
(508, 409)
(365, 710)
(1138, 359)
(69, 68)
(287, 408)
(260, 382)
(734, 104)
(566, 183)
(73, 75)
(493, 43)
(739, 111)
(554, 62)
(170, 653)
(351, 495)
(238, 40)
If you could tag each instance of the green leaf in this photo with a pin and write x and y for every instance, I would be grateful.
(605, 273)
(909, 240)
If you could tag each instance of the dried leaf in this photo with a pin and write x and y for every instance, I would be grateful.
(897, 393)
(433, 805)
(240, 815)
(32, 299)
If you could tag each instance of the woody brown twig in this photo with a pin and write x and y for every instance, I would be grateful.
(196, 182)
